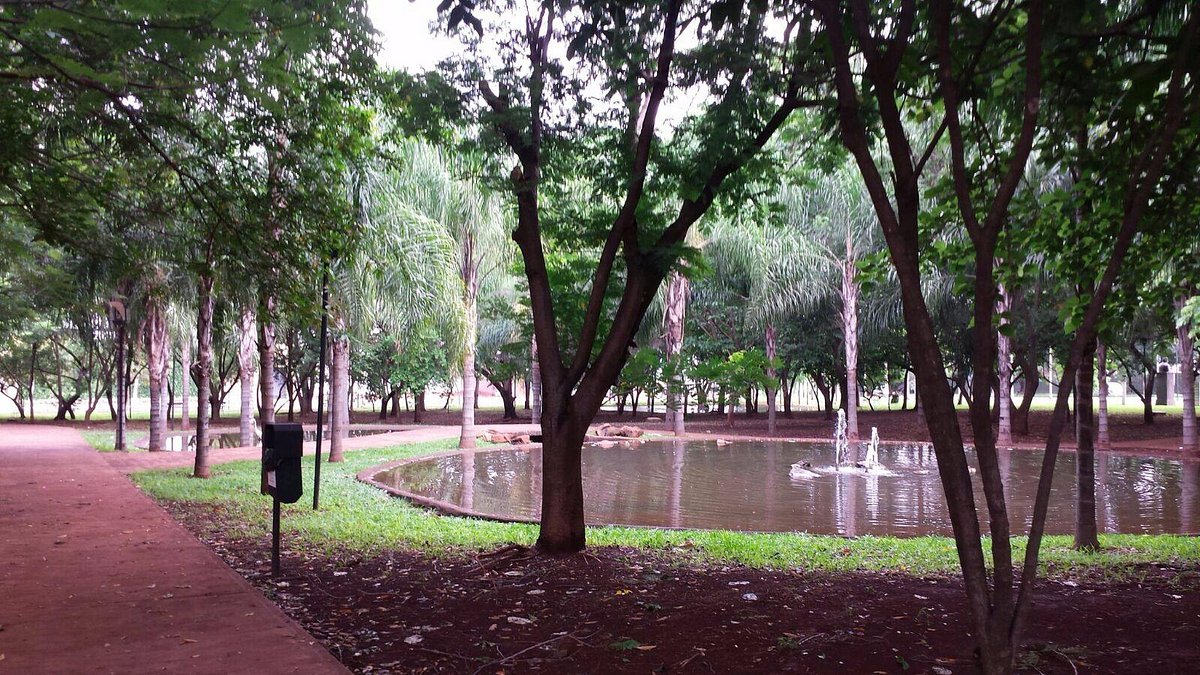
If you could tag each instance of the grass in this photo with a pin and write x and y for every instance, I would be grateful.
(359, 517)
(104, 440)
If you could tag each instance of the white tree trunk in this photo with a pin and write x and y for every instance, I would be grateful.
(676, 310)
(466, 437)
(1187, 374)
(339, 397)
(1102, 437)
(185, 389)
(1004, 369)
(850, 339)
(246, 381)
(156, 359)
(772, 377)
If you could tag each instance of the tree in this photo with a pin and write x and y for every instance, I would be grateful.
(840, 233)
(447, 191)
(613, 46)
(963, 47)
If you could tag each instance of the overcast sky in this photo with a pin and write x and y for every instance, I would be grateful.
(404, 34)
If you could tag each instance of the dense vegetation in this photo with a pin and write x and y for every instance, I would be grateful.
(902, 201)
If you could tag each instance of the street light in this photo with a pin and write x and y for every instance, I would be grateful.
(116, 318)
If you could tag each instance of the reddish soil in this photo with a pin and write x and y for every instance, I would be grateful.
(615, 610)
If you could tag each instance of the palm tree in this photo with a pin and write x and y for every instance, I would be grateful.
(398, 275)
(837, 224)
(772, 268)
(444, 190)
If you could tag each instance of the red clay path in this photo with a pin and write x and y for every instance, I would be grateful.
(96, 577)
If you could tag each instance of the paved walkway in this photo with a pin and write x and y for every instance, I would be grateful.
(97, 578)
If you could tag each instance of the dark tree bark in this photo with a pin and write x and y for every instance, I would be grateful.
(505, 389)
(1086, 537)
(203, 373)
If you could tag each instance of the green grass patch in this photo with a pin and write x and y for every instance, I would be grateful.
(104, 440)
(357, 516)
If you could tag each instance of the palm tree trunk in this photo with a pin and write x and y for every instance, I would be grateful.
(1102, 438)
(677, 288)
(156, 359)
(185, 389)
(1004, 370)
(466, 437)
(772, 378)
(246, 381)
(850, 338)
(339, 397)
(204, 367)
(1187, 373)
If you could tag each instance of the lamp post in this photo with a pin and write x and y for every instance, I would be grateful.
(116, 317)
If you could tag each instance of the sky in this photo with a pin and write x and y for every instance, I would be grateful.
(406, 42)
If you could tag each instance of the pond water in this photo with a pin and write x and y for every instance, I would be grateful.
(748, 486)
(187, 441)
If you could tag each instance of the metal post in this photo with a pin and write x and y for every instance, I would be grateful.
(321, 385)
(274, 537)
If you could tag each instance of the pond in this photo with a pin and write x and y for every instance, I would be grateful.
(749, 486)
(187, 441)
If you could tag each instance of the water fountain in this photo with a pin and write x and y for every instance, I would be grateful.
(841, 444)
(872, 461)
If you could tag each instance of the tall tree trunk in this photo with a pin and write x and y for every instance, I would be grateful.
(562, 523)
(505, 389)
(1148, 391)
(772, 378)
(850, 337)
(266, 363)
(535, 380)
(33, 352)
(157, 353)
(1004, 369)
(789, 382)
(204, 358)
(246, 380)
(185, 384)
(1030, 382)
(339, 394)
(418, 405)
(673, 320)
(1085, 459)
(470, 271)
(1102, 439)
(1187, 374)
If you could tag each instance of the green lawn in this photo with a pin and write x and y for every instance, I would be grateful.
(359, 517)
(103, 439)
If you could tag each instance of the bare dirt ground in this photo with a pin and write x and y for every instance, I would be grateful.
(615, 610)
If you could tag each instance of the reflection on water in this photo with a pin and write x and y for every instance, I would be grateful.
(181, 442)
(746, 486)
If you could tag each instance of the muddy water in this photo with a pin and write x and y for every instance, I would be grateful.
(747, 486)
